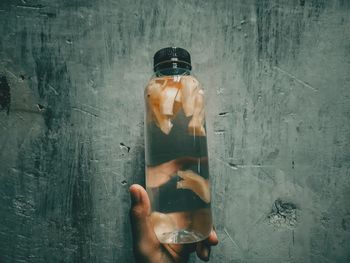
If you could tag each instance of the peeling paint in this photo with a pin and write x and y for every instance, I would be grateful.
(283, 214)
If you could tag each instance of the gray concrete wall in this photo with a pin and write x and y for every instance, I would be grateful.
(276, 75)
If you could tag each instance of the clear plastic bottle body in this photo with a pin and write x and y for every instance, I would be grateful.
(177, 171)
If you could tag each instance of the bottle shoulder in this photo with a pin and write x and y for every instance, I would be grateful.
(175, 80)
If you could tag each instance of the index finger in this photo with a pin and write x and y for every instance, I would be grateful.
(212, 239)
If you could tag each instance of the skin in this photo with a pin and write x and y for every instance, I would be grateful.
(196, 183)
(162, 173)
(147, 248)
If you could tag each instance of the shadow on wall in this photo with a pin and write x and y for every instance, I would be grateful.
(5, 95)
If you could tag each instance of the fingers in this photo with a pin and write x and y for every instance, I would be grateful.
(140, 204)
(139, 215)
(212, 240)
(180, 252)
(146, 244)
(203, 251)
(160, 174)
(196, 183)
(203, 248)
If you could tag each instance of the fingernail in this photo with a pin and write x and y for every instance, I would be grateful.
(206, 252)
(135, 197)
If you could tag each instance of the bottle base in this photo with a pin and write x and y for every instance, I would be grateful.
(180, 237)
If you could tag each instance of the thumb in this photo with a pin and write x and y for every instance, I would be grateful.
(140, 204)
(139, 214)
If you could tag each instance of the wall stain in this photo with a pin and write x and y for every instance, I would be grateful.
(280, 30)
(343, 224)
(283, 214)
(5, 94)
(82, 205)
(59, 160)
(52, 71)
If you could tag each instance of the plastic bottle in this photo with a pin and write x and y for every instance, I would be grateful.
(177, 172)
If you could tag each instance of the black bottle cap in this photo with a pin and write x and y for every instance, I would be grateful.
(171, 57)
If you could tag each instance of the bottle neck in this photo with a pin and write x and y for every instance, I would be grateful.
(172, 72)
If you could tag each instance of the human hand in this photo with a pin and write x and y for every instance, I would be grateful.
(158, 175)
(147, 248)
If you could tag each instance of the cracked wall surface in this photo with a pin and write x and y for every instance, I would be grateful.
(276, 77)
